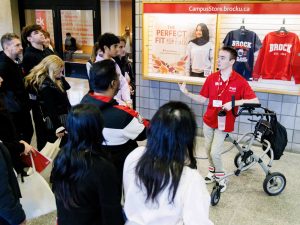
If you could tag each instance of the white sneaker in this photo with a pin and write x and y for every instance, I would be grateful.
(222, 182)
(210, 177)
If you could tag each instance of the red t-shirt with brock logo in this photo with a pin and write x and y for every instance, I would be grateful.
(215, 88)
(278, 59)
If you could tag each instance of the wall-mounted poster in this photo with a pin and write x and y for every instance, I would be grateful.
(181, 42)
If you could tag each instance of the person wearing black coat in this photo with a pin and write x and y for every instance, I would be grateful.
(33, 56)
(17, 100)
(70, 43)
(33, 38)
(11, 211)
(85, 184)
(54, 104)
(9, 137)
(47, 81)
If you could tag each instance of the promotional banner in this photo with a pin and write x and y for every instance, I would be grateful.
(223, 8)
(181, 42)
(45, 20)
(168, 40)
(41, 18)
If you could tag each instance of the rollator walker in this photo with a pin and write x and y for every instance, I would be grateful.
(275, 182)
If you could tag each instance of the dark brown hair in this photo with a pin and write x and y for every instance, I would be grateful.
(26, 32)
(232, 52)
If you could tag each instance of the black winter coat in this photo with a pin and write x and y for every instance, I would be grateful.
(10, 207)
(8, 136)
(12, 75)
(98, 196)
(33, 56)
(53, 101)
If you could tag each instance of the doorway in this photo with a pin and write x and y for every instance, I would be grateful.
(58, 22)
(59, 17)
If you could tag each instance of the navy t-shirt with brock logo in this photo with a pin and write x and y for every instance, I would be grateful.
(246, 43)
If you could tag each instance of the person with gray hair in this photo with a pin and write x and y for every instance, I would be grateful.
(17, 100)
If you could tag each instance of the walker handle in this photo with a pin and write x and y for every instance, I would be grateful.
(233, 105)
(245, 107)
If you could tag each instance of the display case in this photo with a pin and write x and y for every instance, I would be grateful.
(265, 36)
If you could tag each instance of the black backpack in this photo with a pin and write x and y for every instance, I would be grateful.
(276, 135)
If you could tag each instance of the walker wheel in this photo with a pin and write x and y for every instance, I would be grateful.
(238, 160)
(215, 195)
(274, 184)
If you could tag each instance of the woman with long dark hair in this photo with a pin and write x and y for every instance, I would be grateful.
(200, 53)
(161, 183)
(84, 183)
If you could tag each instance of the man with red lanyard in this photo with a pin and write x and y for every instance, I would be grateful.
(123, 126)
(218, 90)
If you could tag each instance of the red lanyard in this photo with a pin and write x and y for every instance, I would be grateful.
(226, 84)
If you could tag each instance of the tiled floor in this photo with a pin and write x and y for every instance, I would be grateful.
(244, 202)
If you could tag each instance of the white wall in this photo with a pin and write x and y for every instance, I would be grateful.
(6, 24)
(9, 17)
(110, 17)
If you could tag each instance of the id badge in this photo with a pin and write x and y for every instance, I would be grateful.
(217, 103)
(207, 72)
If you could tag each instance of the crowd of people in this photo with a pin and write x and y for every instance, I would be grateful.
(100, 175)
(29, 77)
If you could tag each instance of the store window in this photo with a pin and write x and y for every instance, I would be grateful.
(78, 24)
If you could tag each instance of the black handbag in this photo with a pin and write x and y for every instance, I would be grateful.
(276, 134)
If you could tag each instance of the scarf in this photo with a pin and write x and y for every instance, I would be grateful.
(199, 41)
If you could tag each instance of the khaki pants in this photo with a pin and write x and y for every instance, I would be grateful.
(213, 144)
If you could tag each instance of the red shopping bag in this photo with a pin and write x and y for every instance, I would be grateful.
(40, 161)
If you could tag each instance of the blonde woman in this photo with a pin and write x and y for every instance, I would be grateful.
(47, 82)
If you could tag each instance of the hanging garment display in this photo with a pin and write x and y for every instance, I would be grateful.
(277, 57)
(246, 43)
